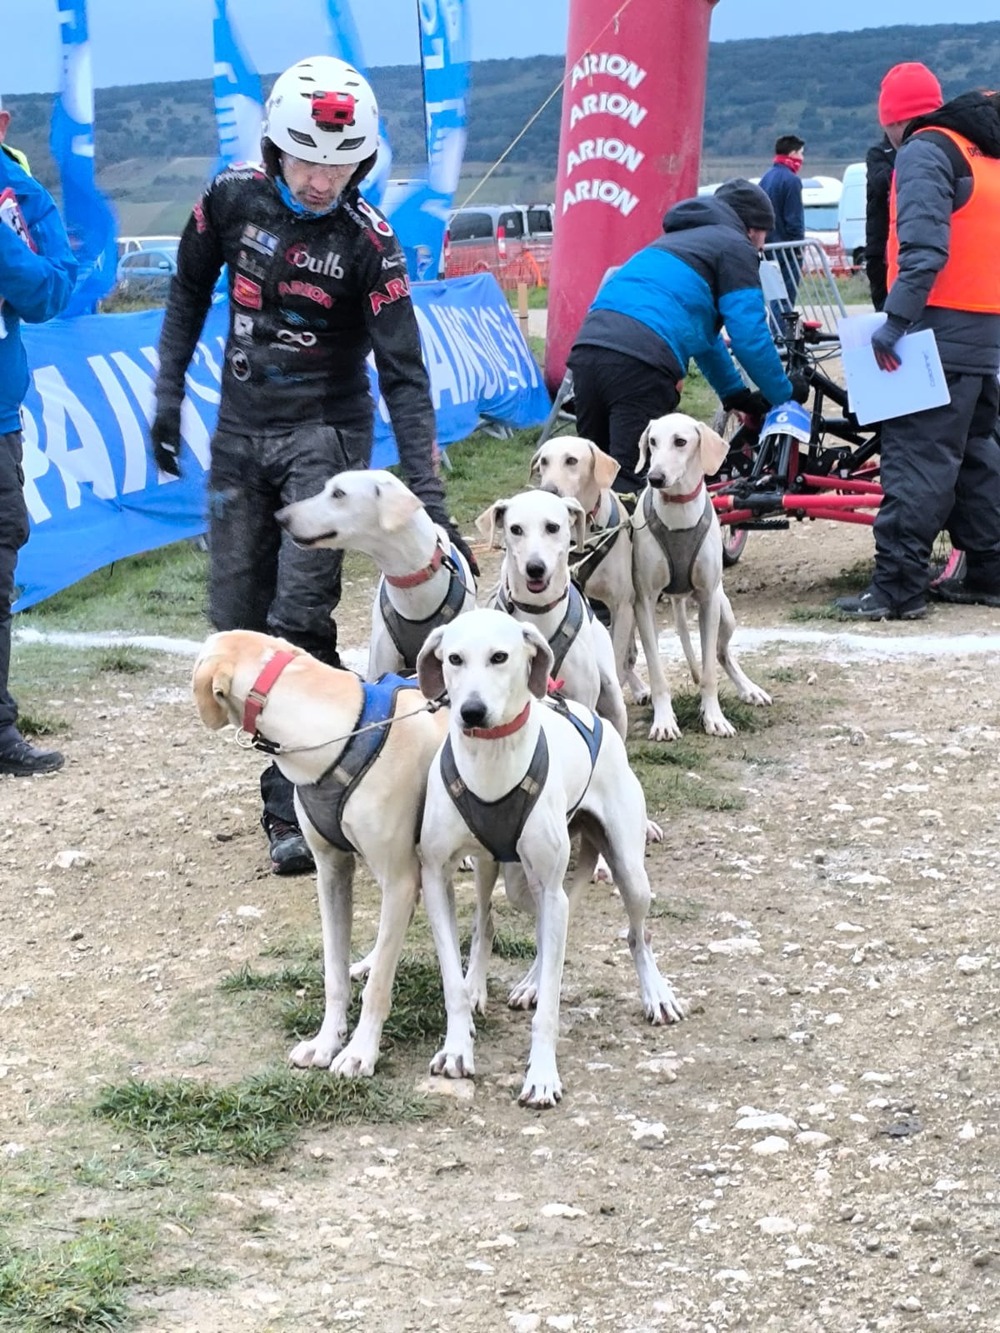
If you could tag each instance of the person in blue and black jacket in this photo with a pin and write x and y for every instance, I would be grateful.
(37, 273)
(667, 305)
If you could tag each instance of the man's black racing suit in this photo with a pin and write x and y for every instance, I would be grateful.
(309, 297)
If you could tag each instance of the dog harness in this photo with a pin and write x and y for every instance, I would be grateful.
(599, 545)
(568, 628)
(679, 545)
(409, 635)
(324, 800)
(498, 825)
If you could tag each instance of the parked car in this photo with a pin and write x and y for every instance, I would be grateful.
(853, 206)
(511, 241)
(147, 273)
(129, 244)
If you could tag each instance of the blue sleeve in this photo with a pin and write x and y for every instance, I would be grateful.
(37, 286)
(717, 366)
(752, 344)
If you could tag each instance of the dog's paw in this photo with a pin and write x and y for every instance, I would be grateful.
(716, 723)
(354, 1062)
(476, 990)
(466, 866)
(542, 1085)
(318, 1053)
(454, 1064)
(653, 831)
(755, 696)
(362, 967)
(524, 995)
(663, 1006)
(640, 693)
(665, 729)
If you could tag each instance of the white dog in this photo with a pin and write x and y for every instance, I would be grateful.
(353, 796)
(512, 778)
(576, 468)
(537, 530)
(677, 549)
(425, 580)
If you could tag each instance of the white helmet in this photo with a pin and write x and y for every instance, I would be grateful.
(322, 110)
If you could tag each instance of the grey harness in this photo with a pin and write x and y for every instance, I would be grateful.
(498, 825)
(569, 627)
(599, 545)
(409, 635)
(679, 545)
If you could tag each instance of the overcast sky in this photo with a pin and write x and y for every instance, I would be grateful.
(140, 41)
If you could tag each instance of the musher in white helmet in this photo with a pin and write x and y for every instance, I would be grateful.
(316, 281)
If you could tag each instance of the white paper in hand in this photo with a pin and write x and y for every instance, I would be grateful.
(878, 395)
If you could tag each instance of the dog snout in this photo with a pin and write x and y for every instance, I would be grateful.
(473, 711)
(656, 479)
(535, 569)
(550, 488)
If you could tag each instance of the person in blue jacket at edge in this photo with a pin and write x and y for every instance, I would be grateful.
(667, 305)
(37, 274)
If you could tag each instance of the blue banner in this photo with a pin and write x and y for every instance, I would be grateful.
(89, 220)
(93, 492)
(345, 43)
(420, 214)
(239, 102)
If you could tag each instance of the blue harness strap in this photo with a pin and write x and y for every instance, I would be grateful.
(324, 801)
(409, 635)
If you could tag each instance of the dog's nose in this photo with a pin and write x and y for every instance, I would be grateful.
(551, 488)
(473, 711)
(655, 480)
(535, 569)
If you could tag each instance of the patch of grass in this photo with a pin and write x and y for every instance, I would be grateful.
(853, 578)
(782, 675)
(297, 976)
(816, 613)
(744, 717)
(130, 1171)
(79, 1283)
(124, 660)
(675, 909)
(255, 1118)
(538, 298)
(512, 946)
(484, 469)
(41, 724)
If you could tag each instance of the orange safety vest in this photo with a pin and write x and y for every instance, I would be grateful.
(970, 279)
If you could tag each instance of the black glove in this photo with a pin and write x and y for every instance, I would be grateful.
(884, 341)
(751, 401)
(165, 434)
(800, 388)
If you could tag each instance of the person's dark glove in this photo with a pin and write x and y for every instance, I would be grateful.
(462, 545)
(884, 341)
(165, 434)
(800, 388)
(751, 401)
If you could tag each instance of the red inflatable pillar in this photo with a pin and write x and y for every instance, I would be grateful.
(629, 145)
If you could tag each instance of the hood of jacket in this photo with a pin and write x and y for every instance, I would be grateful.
(976, 116)
(704, 211)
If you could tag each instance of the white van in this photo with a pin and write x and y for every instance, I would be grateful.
(853, 198)
(820, 201)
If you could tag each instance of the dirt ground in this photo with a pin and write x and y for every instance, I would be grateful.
(816, 1148)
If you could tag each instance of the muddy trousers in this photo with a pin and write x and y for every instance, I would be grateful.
(258, 578)
(13, 535)
(616, 397)
(940, 470)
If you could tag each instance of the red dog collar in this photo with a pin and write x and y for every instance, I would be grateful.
(261, 688)
(498, 733)
(421, 576)
(683, 499)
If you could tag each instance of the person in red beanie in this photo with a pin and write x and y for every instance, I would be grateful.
(940, 469)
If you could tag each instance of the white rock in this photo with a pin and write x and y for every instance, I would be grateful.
(249, 913)
(967, 1132)
(793, 1265)
(946, 1185)
(767, 1120)
(739, 945)
(776, 1226)
(770, 1146)
(13, 1150)
(648, 1133)
(813, 1138)
(72, 858)
(883, 1080)
(968, 963)
(849, 928)
(909, 1303)
(562, 1210)
(459, 1089)
(667, 1069)
(524, 1323)
(501, 1242)
(833, 1020)
(732, 1275)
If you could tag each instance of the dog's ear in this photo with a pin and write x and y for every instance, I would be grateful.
(577, 520)
(395, 507)
(540, 669)
(713, 450)
(490, 522)
(643, 449)
(430, 669)
(211, 683)
(533, 465)
(606, 468)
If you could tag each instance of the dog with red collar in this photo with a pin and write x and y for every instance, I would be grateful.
(565, 774)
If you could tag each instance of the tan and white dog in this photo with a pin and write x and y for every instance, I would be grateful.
(536, 530)
(677, 549)
(424, 581)
(513, 777)
(308, 712)
(576, 468)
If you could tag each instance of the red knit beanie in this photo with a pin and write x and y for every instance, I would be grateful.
(908, 90)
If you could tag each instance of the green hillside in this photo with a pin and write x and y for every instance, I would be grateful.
(156, 142)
